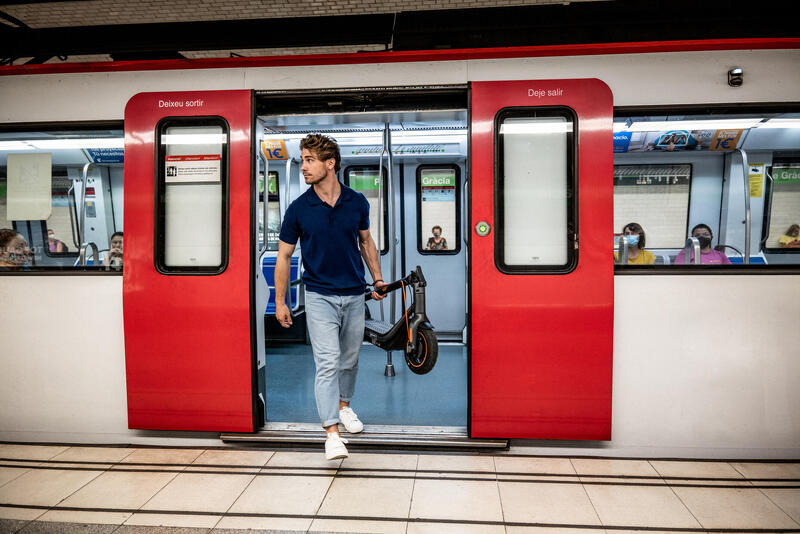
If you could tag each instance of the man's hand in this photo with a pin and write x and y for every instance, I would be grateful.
(283, 315)
(375, 295)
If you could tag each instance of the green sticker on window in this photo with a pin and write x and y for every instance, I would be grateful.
(786, 175)
(364, 181)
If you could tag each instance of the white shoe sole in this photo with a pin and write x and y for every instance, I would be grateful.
(337, 457)
(342, 427)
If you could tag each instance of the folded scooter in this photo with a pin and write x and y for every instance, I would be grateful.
(413, 333)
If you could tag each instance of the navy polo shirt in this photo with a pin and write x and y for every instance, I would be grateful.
(329, 240)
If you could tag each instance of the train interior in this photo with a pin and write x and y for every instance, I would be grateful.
(411, 167)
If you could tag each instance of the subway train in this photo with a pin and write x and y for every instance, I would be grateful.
(509, 176)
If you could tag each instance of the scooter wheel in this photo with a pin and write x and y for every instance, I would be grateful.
(422, 360)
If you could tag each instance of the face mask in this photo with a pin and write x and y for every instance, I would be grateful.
(704, 241)
(632, 240)
(19, 259)
(436, 234)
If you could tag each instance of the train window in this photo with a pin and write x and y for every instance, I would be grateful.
(781, 226)
(712, 176)
(535, 191)
(438, 209)
(365, 180)
(273, 211)
(657, 198)
(192, 214)
(56, 217)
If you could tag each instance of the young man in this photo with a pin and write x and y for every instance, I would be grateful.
(332, 223)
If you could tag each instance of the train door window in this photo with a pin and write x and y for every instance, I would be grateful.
(657, 198)
(366, 181)
(535, 191)
(438, 209)
(192, 218)
(782, 214)
(273, 211)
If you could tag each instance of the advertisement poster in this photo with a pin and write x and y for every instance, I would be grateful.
(756, 175)
(29, 181)
(200, 168)
(676, 140)
(274, 149)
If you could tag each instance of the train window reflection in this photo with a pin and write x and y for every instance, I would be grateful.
(438, 206)
(192, 219)
(366, 181)
(76, 159)
(535, 185)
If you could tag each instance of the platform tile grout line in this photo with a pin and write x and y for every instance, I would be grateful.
(440, 521)
(778, 506)
(586, 492)
(413, 487)
(499, 496)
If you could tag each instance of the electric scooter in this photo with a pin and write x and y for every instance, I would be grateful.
(413, 333)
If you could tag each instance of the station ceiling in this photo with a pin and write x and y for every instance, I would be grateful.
(106, 30)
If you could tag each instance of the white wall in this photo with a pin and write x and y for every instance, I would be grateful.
(635, 79)
(704, 366)
(62, 363)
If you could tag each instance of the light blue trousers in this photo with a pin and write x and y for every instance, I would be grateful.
(336, 328)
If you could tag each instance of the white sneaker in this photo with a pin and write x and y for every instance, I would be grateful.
(349, 419)
(334, 447)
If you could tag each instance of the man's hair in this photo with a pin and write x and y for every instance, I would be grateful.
(637, 229)
(323, 147)
(435, 227)
(115, 234)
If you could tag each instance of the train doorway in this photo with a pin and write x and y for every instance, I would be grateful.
(409, 161)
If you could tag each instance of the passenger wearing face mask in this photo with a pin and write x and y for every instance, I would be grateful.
(437, 242)
(14, 250)
(708, 256)
(637, 255)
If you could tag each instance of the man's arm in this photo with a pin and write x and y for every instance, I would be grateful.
(370, 254)
(282, 269)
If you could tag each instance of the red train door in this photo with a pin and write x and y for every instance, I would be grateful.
(187, 284)
(541, 266)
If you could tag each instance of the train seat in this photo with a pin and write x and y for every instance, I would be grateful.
(268, 269)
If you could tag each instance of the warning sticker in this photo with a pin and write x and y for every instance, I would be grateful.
(200, 168)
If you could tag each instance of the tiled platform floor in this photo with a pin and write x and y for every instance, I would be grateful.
(125, 490)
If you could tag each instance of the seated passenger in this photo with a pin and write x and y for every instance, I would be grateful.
(14, 251)
(114, 257)
(708, 256)
(791, 239)
(634, 235)
(55, 246)
(437, 242)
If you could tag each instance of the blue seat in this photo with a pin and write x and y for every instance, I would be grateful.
(738, 260)
(268, 268)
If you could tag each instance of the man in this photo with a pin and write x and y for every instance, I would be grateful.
(332, 223)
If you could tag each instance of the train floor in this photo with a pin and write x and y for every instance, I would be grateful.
(65, 489)
(438, 398)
